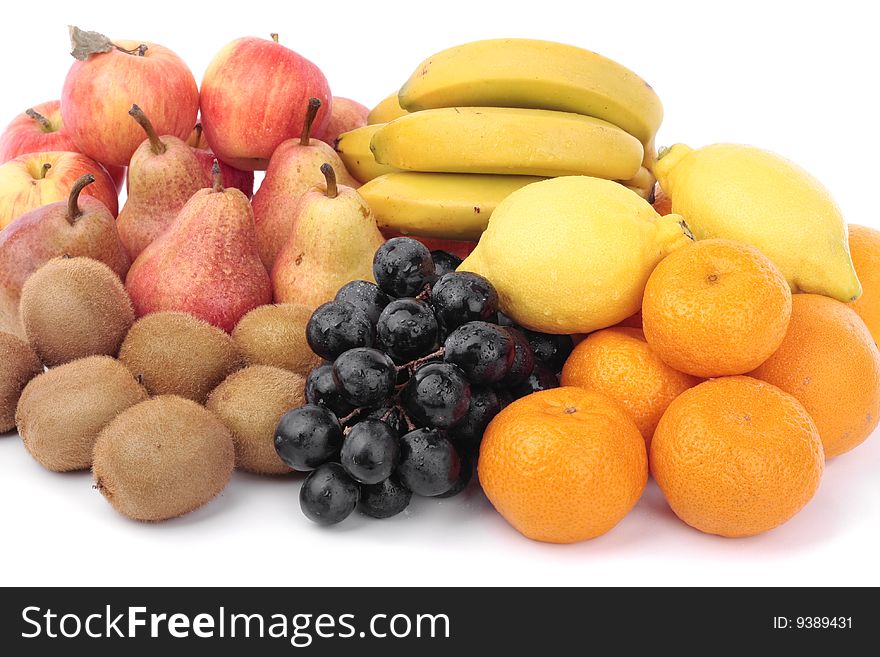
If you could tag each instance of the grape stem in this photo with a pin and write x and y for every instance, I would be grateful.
(426, 359)
(355, 413)
(410, 425)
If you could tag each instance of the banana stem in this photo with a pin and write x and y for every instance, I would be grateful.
(311, 113)
(155, 143)
(73, 210)
(330, 176)
(39, 118)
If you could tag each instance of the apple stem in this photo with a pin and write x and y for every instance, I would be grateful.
(274, 36)
(330, 176)
(39, 118)
(217, 178)
(73, 211)
(198, 130)
(140, 51)
(311, 113)
(44, 170)
(155, 143)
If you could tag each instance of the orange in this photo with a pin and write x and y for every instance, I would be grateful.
(736, 456)
(830, 363)
(618, 362)
(716, 307)
(864, 247)
(563, 465)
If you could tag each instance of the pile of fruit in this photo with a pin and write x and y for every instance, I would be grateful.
(492, 272)
(396, 413)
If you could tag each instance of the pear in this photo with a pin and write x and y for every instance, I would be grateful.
(163, 175)
(750, 195)
(295, 167)
(333, 243)
(80, 226)
(206, 263)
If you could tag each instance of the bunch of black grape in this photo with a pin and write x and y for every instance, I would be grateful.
(417, 366)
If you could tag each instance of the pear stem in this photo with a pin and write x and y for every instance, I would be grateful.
(216, 177)
(330, 176)
(73, 211)
(39, 118)
(274, 36)
(44, 170)
(155, 143)
(311, 113)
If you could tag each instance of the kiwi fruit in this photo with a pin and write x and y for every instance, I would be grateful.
(276, 336)
(75, 307)
(163, 458)
(173, 353)
(61, 411)
(20, 365)
(250, 403)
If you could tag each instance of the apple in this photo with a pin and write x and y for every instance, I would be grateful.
(99, 91)
(347, 114)
(254, 96)
(41, 129)
(231, 177)
(36, 179)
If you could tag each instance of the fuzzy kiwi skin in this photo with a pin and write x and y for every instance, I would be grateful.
(75, 307)
(276, 335)
(19, 365)
(174, 353)
(250, 403)
(61, 411)
(163, 458)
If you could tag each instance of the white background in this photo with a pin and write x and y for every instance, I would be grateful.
(799, 78)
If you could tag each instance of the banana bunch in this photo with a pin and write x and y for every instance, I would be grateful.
(478, 121)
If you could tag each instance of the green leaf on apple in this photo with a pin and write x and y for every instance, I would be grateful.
(86, 43)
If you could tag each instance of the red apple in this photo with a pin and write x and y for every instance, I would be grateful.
(232, 177)
(254, 96)
(347, 114)
(40, 129)
(37, 179)
(99, 91)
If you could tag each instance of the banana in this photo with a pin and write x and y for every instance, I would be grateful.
(354, 150)
(503, 140)
(452, 206)
(535, 74)
(642, 184)
(387, 110)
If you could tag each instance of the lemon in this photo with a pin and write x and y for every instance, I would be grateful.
(573, 254)
(757, 197)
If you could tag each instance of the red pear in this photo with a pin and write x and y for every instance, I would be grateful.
(294, 169)
(232, 177)
(80, 226)
(163, 175)
(206, 263)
